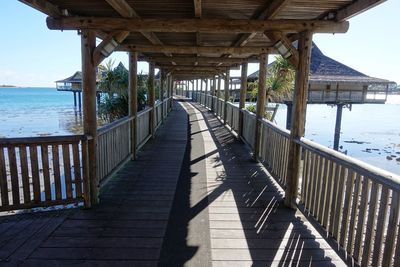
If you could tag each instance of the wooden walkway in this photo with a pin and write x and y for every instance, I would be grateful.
(194, 197)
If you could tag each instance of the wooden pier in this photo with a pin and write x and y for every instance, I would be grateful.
(210, 205)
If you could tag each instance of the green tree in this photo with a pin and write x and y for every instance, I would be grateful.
(279, 82)
(115, 82)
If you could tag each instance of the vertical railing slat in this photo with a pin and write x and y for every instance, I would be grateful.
(24, 174)
(46, 172)
(390, 243)
(35, 173)
(3, 179)
(56, 170)
(12, 159)
(77, 170)
(67, 170)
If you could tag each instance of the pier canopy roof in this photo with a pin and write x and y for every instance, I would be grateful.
(199, 38)
(76, 78)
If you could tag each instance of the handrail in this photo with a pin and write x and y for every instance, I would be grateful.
(41, 139)
(144, 111)
(276, 128)
(379, 175)
(114, 125)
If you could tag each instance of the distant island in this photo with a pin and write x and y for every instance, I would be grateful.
(6, 85)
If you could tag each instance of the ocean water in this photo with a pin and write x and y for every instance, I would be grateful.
(26, 112)
(370, 132)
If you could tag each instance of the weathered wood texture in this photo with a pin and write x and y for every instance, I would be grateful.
(38, 171)
(113, 146)
(126, 228)
(249, 225)
(357, 204)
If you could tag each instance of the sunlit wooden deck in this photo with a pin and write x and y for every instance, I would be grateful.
(193, 197)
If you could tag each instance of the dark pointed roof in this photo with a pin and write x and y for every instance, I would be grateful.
(76, 78)
(326, 69)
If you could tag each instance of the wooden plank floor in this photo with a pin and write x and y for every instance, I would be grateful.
(194, 197)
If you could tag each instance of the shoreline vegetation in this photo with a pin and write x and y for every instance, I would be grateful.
(8, 86)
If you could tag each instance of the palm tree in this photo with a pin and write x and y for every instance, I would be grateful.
(279, 83)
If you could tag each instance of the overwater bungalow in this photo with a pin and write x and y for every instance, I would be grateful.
(195, 183)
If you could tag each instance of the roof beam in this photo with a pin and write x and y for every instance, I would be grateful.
(126, 11)
(278, 36)
(271, 10)
(44, 6)
(197, 8)
(217, 50)
(108, 45)
(356, 7)
(203, 60)
(196, 25)
(193, 68)
(123, 8)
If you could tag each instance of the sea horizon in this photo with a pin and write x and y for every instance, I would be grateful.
(44, 111)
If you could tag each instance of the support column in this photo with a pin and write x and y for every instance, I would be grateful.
(338, 125)
(152, 95)
(218, 95)
(80, 100)
(289, 113)
(162, 88)
(205, 93)
(299, 117)
(74, 99)
(88, 44)
(213, 93)
(242, 97)
(260, 110)
(226, 94)
(133, 99)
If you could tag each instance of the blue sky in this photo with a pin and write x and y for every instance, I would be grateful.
(32, 55)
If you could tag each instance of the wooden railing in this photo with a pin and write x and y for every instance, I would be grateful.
(143, 127)
(113, 146)
(46, 171)
(274, 150)
(357, 204)
(43, 171)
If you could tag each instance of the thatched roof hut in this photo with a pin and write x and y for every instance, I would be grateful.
(331, 82)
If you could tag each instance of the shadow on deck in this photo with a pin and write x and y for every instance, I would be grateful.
(194, 197)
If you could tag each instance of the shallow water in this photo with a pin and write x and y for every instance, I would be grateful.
(26, 112)
(370, 132)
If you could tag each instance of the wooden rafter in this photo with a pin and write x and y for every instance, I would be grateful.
(278, 36)
(356, 7)
(217, 50)
(126, 11)
(196, 25)
(269, 12)
(100, 54)
(202, 60)
(197, 8)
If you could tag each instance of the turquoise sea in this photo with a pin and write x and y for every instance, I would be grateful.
(369, 132)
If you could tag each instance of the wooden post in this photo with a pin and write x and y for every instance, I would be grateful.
(152, 99)
(338, 124)
(262, 88)
(242, 97)
(162, 88)
(214, 87)
(299, 117)
(133, 99)
(226, 95)
(80, 100)
(205, 93)
(88, 44)
(289, 113)
(75, 99)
